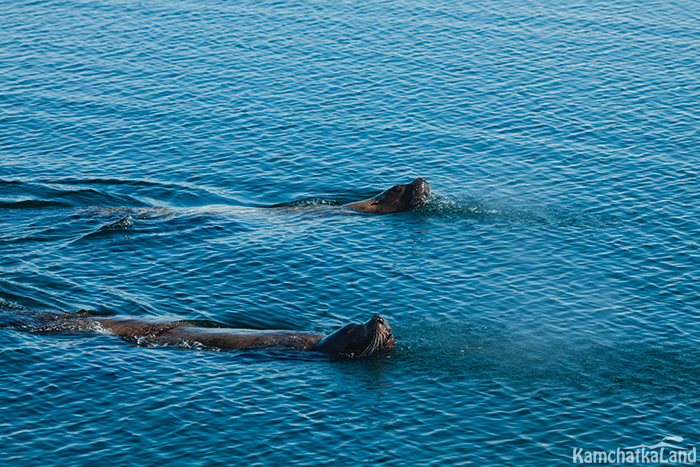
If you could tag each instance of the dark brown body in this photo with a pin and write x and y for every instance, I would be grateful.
(221, 338)
(396, 199)
(353, 340)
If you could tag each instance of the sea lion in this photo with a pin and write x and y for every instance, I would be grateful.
(351, 341)
(396, 199)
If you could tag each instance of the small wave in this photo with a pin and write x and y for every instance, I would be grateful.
(122, 224)
(153, 212)
(109, 193)
(509, 211)
(6, 305)
(33, 204)
(25, 195)
(13, 315)
(92, 197)
(141, 192)
(469, 207)
(103, 181)
(307, 203)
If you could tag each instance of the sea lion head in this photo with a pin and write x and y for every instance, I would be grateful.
(396, 199)
(358, 340)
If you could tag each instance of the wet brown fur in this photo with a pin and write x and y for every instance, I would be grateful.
(396, 199)
(353, 340)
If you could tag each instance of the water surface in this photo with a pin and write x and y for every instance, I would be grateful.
(544, 299)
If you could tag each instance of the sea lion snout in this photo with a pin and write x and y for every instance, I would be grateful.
(420, 190)
(382, 329)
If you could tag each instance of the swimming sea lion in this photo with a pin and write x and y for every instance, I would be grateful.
(396, 199)
(350, 341)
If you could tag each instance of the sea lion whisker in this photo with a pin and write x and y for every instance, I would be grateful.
(372, 347)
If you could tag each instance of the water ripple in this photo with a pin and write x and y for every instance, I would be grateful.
(186, 160)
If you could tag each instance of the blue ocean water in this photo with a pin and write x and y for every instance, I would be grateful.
(545, 299)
